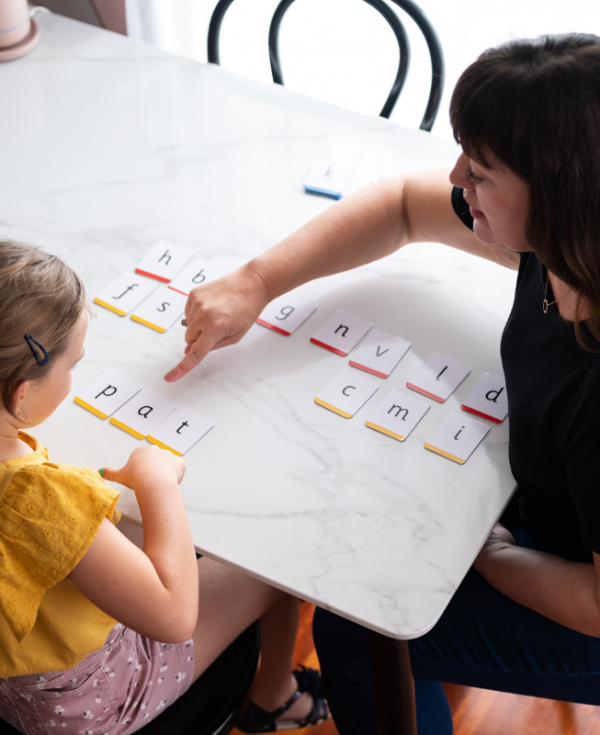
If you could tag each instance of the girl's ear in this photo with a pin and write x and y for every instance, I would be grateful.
(19, 394)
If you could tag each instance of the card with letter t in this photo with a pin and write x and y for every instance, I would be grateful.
(286, 314)
(180, 430)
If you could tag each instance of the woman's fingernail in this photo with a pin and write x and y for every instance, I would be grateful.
(101, 472)
(170, 376)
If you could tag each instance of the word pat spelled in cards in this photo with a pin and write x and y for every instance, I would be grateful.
(180, 430)
(347, 393)
(341, 332)
(160, 310)
(488, 399)
(457, 437)
(329, 176)
(380, 353)
(286, 314)
(397, 415)
(125, 293)
(195, 274)
(105, 395)
(143, 413)
(439, 377)
(164, 261)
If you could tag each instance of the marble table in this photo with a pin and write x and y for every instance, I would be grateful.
(107, 146)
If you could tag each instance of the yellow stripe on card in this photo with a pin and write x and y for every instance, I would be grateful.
(147, 324)
(126, 428)
(152, 440)
(90, 408)
(333, 408)
(110, 307)
(437, 450)
(371, 425)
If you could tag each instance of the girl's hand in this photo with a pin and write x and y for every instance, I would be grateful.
(144, 461)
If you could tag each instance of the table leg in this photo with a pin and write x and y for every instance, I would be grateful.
(394, 686)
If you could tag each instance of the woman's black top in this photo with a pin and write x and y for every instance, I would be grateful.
(553, 389)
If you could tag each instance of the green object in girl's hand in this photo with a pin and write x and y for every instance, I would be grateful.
(101, 472)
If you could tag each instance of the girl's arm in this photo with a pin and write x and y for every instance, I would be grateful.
(154, 591)
(564, 591)
(359, 229)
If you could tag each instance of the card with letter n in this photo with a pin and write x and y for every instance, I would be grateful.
(125, 293)
(180, 430)
(286, 314)
(488, 399)
(144, 412)
(161, 310)
(105, 395)
(341, 332)
(397, 415)
(380, 353)
(164, 261)
(439, 377)
(457, 437)
(347, 393)
(195, 274)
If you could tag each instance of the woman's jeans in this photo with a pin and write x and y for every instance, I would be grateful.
(483, 639)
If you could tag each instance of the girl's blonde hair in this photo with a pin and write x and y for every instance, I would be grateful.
(41, 297)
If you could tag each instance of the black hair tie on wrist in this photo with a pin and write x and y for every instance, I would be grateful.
(30, 343)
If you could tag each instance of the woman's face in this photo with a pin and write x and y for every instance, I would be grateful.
(498, 200)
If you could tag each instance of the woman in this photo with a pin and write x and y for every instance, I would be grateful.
(526, 195)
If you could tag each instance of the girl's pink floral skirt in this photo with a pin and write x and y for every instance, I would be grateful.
(117, 689)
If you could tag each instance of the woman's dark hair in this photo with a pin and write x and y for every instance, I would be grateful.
(535, 105)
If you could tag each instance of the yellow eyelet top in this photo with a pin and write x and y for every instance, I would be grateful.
(49, 515)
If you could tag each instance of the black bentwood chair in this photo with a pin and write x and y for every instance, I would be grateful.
(410, 8)
(215, 701)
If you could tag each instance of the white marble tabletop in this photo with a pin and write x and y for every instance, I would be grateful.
(107, 146)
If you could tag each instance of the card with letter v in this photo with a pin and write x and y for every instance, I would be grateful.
(380, 353)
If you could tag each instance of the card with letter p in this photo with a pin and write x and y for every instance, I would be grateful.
(105, 395)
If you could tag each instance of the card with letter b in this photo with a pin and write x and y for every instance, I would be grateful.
(105, 395)
(488, 399)
(180, 430)
(125, 293)
(286, 314)
(341, 332)
(161, 310)
(143, 413)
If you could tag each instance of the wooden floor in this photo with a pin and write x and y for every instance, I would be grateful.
(478, 711)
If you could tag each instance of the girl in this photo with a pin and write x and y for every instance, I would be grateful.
(81, 608)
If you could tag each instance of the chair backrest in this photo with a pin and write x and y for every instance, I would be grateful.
(433, 44)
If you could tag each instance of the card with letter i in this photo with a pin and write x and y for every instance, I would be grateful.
(144, 412)
(105, 395)
(380, 353)
(397, 415)
(488, 399)
(164, 261)
(161, 310)
(341, 332)
(286, 314)
(347, 393)
(457, 437)
(180, 430)
(125, 293)
(439, 377)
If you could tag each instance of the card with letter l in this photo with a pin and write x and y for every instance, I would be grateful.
(457, 437)
(144, 412)
(125, 293)
(346, 393)
(380, 353)
(160, 310)
(341, 332)
(286, 313)
(439, 377)
(108, 393)
(180, 430)
(488, 399)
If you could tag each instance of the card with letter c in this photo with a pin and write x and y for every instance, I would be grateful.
(105, 395)
(286, 313)
(347, 393)
(125, 293)
(439, 377)
(457, 437)
(341, 332)
(160, 310)
(164, 261)
(488, 399)
(397, 415)
(143, 413)
(180, 430)
(380, 353)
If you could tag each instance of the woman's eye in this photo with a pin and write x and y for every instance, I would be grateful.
(472, 178)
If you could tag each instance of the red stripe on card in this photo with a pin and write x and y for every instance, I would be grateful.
(151, 275)
(425, 393)
(183, 293)
(273, 327)
(478, 413)
(368, 369)
(328, 347)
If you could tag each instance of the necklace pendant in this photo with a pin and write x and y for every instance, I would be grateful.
(545, 306)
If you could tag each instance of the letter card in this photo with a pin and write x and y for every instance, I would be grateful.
(105, 395)
(286, 314)
(456, 437)
(439, 377)
(329, 176)
(180, 430)
(125, 293)
(397, 415)
(347, 393)
(341, 332)
(488, 399)
(195, 274)
(161, 310)
(164, 261)
(144, 412)
(380, 353)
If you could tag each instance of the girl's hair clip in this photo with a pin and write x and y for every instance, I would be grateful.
(30, 343)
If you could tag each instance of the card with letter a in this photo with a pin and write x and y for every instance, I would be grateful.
(380, 353)
(144, 412)
(347, 393)
(341, 332)
(161, 310)
(180, 430)
(105, 395)
(439, 377)
(397, 415)
(457, 437)
(286, 314)
(125, 293)
(164, 261)
(488, 399)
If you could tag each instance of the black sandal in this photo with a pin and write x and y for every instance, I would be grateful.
(256, 719)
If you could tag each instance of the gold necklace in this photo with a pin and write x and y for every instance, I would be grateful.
(545, 304)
